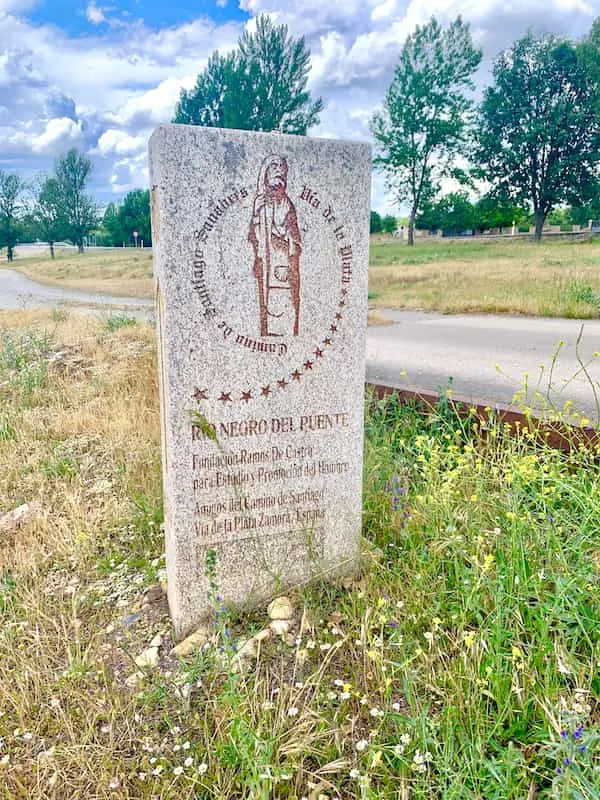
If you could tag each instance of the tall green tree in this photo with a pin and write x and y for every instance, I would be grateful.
(260, 86)
(495, 212)
(426, 115)
(389, 224)
(72, 172)
(11, 207)
(132, 214)
(49, 213)
(376, 225)
(539, 133)
(453, 213)
(588, 52)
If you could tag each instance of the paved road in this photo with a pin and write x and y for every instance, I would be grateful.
(432, 347)
(19, 292)
(429, 347)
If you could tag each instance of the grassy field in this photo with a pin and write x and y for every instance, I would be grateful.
(555, 278)
(124, 272)
(460, 664)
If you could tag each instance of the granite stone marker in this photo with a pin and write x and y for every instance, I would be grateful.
(260, 257)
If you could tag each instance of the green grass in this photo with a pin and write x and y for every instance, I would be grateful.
(446, 669)
(552, 278)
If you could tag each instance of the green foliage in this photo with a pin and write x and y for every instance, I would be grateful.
(376, 225)
(426, 115)
(50, 213)
(132, 214)
(116, 321)
(588, 52)
(260, 86)
(453, 213)
(79, 210)
(389, 224)
(11, 189)
(23, 365)
(580, 292)
(495, 212)
(539, 135)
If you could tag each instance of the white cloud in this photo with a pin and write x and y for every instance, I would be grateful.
(106, 93)
(95, 14)
(59, 134)
(116, 142)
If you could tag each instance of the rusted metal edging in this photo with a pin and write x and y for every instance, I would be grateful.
(559, 435)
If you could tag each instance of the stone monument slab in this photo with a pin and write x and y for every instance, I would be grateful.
(260, 257)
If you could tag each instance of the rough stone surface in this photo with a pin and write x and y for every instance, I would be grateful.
(260, 247)
(280, 608)
(148, 658)
(19, 516)
(190, 644)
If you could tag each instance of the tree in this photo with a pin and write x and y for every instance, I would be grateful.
(11, 189)
(453, 213)
(389, 224)
(260, 86)
(495, 212)
(49, 213)
(111, 226)
(588, 52)
(376, 223)
(539, 139)
(426, 115)
(132, 214)
(80, 211)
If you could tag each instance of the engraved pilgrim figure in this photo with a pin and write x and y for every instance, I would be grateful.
(277, 245)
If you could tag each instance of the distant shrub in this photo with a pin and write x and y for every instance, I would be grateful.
(580, 292)
(116, 321)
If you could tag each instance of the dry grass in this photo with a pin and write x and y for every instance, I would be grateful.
(554, 278)
(121, 272)
(446, 671)
(557, 278)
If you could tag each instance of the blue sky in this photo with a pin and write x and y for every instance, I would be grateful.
(72, 16)
(100, 75)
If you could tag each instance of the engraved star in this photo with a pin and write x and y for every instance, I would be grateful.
(338, 316)
(333, 328)
(296, 375)
(318, 353)
(265, 391)
(225, 397)
(308, 365)
(344, 292)
(342, 303)
(282, 383)
(327, 341)
(246, 396)
(201, 394)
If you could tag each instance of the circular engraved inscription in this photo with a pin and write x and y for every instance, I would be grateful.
(271, 274)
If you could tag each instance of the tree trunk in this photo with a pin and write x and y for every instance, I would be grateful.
(9, 252)
(80, 247)
(51, 249)
(540, 218)
(411, 227)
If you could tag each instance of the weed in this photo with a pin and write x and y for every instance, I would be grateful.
(447, 668)
(116, 321)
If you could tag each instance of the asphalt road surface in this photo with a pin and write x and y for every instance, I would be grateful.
(430, 348)
(19, 292)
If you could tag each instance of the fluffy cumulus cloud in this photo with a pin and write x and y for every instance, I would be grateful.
(103, 91)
